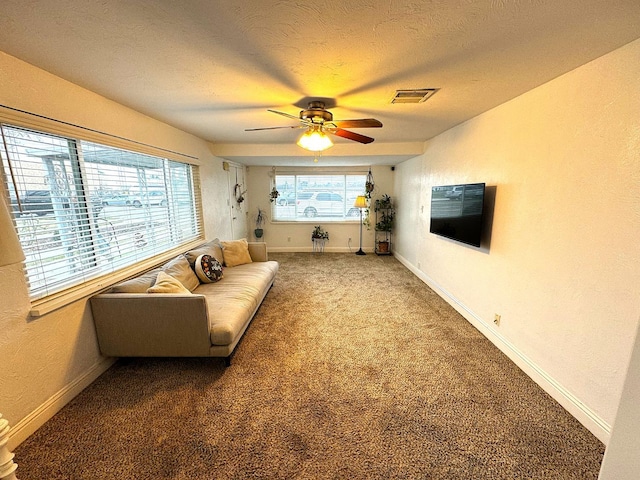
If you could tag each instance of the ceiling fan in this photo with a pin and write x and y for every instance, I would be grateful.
(319, 121)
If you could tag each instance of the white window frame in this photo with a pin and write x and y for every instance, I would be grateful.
(298, 204)
(100, 278)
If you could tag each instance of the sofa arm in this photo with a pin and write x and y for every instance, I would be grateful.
(258, 251)
(151, 324)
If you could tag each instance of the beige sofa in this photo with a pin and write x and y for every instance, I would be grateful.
(205, 319)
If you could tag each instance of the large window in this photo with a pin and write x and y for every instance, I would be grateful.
(306, 197)
(83, 210)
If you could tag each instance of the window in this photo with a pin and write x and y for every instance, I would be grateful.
(83, 210)
(305, 197)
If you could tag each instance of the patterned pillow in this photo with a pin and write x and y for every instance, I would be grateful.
(208, 269)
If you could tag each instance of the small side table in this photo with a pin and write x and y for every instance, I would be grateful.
(318, 244)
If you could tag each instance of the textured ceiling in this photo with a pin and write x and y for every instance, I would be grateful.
(213, 67)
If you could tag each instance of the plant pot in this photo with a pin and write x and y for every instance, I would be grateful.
(383, 247)
(258, 232)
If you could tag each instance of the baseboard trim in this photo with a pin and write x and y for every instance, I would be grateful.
(573, 405)
(28, 425)
(310, 250)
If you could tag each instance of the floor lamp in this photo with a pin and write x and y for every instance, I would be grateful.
(361, 202)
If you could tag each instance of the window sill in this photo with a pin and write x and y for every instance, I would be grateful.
(59, 300)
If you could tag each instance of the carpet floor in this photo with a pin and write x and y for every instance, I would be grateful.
(352, 368)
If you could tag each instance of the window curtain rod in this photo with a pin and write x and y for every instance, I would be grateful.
(96, 131)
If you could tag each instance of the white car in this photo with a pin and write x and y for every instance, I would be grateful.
(325, 204)
(151, 198)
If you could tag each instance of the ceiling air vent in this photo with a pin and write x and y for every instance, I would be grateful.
(413, 96)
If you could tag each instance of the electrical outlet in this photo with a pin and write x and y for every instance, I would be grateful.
(288, 239)
(349, 239)
(496, 319)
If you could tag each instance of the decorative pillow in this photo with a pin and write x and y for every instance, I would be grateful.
(208, 269)
(165, 283)
(236, 253)
(137, 284)
(212, 248)
(180, 269)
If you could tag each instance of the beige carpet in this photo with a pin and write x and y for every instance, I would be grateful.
(352, 368)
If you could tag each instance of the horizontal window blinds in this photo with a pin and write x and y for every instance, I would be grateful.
(83, 210)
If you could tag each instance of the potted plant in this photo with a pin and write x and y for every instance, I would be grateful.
(273, 196)
(319, 233)
(385, 209)
(261, 218)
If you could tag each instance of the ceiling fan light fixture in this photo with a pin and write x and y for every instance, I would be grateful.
(314, 140)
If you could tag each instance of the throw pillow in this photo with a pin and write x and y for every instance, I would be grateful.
(212, 248)
(236, 253)
(208, 269)
(138, 284)
(165, 283)
(180, 269)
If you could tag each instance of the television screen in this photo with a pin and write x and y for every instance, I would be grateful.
(456, 212)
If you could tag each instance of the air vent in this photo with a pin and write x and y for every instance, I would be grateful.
(413, 96)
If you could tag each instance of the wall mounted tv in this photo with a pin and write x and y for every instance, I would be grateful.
(456, 212)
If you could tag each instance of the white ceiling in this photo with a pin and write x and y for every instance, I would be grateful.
(213, 67)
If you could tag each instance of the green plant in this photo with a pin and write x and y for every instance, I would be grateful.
(319, 232)
(385, 224)
(366, 219)
(384, 205)
(274, 194)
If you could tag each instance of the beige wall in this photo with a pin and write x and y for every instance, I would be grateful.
(296, 237)
(562, 264)
(47, 360)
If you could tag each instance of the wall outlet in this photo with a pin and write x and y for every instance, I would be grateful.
(349, 239)
(496, 319)
(288, 239)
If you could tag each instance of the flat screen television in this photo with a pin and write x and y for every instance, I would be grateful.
(456, 212)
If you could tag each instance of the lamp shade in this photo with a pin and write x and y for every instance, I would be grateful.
(361, 202)
(10, 248)
(315, 140)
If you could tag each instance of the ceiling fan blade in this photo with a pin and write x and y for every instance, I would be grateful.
(358, 123)
(356, 137)
(285, 114)
(272, 128)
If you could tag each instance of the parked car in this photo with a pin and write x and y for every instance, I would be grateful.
(40, 202)
(289, 198)
(454, 193)
(325, 204)
(35, 201)
(115, 199)
(151, 198)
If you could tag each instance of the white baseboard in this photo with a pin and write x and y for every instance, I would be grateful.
(573, 405)
(28, 425)
(327, 249)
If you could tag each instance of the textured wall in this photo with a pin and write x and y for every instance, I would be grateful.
(45, 359)
(561, 266)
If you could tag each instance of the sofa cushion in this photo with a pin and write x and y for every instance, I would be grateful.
(165, 283)
(180, 269)
(232, 301)
(236, 253)
(207, 269)
(212, 248)
(139, 284)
